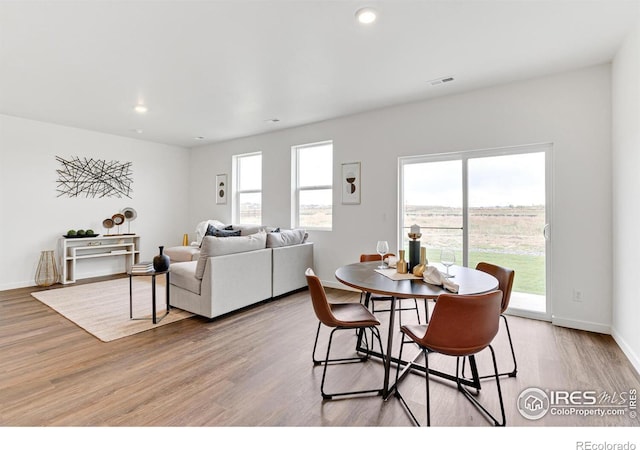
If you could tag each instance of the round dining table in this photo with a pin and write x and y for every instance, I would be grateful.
(369, 278)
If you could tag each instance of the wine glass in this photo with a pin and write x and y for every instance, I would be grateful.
(448, 259)
(382, 247)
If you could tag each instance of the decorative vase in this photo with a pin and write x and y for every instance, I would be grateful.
(47, 272)
(185, 240)
(401, 265)
(420, 268)
(161, 262)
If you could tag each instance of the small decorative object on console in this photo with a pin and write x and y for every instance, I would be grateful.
(79, 234)
(129, 214)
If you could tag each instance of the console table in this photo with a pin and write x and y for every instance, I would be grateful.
(72, 251)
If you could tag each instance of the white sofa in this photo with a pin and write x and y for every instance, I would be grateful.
(230, 273)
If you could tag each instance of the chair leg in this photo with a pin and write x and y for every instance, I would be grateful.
(326, 362)
(415, 302)
(513, 353)
(317, 362)
(426, 381)
(510, 374)
(475, 401)
(315, 344)
(426, 311)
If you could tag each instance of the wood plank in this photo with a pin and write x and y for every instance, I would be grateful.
(253, 368)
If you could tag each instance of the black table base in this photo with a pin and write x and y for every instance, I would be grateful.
(388, 359)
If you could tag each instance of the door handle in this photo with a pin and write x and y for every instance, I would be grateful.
(545, 231)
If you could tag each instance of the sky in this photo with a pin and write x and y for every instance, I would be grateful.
(493, 181)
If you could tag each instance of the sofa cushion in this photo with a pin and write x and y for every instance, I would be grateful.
(183, 275)
(246, 230)
(284, 238)
(218, 246)
(182, 253)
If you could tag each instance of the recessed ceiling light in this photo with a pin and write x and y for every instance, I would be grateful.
(199, 138)
(274, 120)
(140, 109)
(137, 130)
(366, 15)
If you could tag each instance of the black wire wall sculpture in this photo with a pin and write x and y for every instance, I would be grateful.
(90, 178)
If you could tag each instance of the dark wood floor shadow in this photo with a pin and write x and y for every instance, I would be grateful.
(254, 368)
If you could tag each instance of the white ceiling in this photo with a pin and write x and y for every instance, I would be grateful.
(220, 69)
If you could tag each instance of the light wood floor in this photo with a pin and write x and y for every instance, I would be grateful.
(253, 368)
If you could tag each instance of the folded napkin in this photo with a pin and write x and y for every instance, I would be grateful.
(433, 276)
(391, 261)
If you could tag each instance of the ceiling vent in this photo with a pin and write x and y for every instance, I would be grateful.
(438, 81)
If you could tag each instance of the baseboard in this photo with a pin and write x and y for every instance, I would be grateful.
(626, 349)
(581, 325)
(22, 284)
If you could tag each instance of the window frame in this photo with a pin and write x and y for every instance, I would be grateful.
(237, 192)
(296, 189)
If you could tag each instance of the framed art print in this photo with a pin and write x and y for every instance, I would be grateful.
(221, 189)
(351, 183)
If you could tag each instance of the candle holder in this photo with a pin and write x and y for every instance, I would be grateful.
(414, 247)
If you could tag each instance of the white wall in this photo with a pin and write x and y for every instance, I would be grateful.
(626, 192)
(571, 110)
(32, 217)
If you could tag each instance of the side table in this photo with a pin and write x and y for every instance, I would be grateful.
(153, 275)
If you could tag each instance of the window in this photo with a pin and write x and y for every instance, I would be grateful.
(486, 205)
(247, 199)
(313, 185)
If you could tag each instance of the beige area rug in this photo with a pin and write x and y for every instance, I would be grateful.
(102, 308)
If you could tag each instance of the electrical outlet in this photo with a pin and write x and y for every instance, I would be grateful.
(577, 295)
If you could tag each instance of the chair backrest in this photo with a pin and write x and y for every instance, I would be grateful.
(505, 280)
(462, 325)
(373, 257)
(319, 299)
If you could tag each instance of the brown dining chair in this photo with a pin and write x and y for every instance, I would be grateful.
(376, 257)
(505, 278)
(460, 326)
(340, 316)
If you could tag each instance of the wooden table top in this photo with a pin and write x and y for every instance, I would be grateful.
(362, 276)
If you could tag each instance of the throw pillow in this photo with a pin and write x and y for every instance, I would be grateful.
(284, 238)
(217, 246)
(226, 233)
(201, 229)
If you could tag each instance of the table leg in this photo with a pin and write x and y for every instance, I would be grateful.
(167, 281)
(153, 297)
(387, 356)
(130, 297)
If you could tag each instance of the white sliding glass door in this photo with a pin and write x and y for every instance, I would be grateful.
(488, 206)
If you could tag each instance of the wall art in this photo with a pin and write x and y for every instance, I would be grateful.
(90, 178)
(351, 183)
(221, 189)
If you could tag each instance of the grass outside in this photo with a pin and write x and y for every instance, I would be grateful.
(508, 236)
(530, 269)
